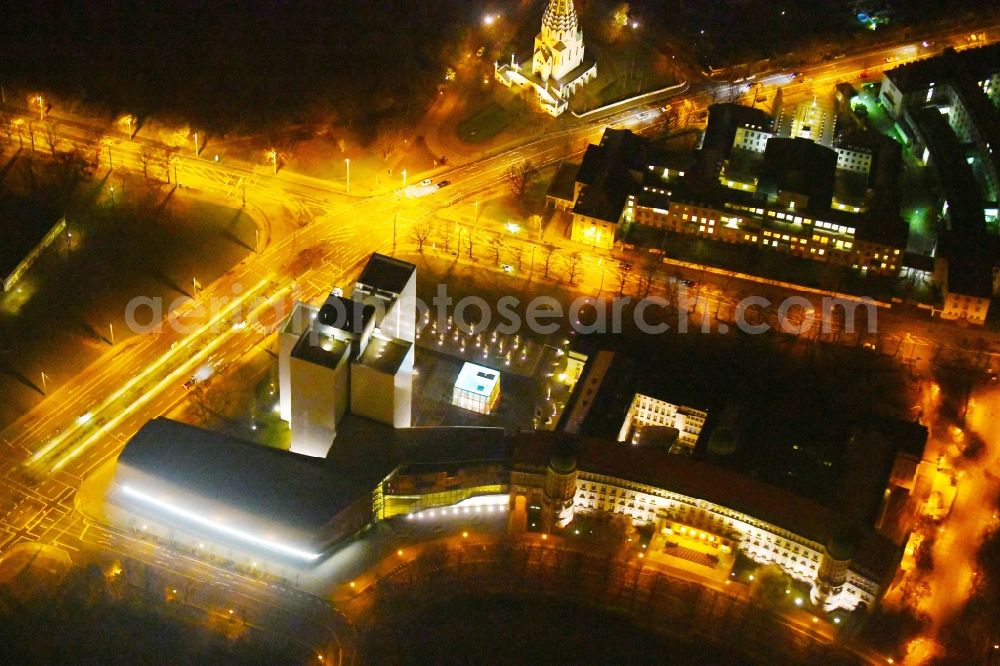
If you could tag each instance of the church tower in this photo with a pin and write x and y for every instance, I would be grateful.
(559, 46)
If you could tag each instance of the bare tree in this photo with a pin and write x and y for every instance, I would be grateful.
(421, 232)
(519, 176)
(470, 241)
(168, 156)
(52, 136)
(646, 279)
(573, 266)
(8, 128)
(31, 135)
(518, 253)
(621, 276)
(144, 156)
(388, 139)
(548, 255)
(495, 246)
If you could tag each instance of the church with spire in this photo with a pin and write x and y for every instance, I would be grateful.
(559, 64)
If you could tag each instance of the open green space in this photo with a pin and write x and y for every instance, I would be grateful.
(484, 124)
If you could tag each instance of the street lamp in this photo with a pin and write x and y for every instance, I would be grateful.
(196, 149)
(347, 161)
(273, 156)
(404, 176)
(40, 101)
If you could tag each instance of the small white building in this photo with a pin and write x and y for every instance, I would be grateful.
(477, 388)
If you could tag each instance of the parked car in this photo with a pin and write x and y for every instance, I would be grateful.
(425, 182)
(444, 183)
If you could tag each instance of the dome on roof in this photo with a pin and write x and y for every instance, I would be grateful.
(842, 545)
(563, 458)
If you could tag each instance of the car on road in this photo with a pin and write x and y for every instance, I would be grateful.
(507, 268)
(643, 115)
(760, 98)
(689, 283)
(444, 183)
(190, 383)
(425, 182)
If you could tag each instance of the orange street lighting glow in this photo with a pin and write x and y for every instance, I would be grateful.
(149, 394)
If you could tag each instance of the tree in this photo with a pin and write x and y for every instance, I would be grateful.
(421, 232)
(621, 276)
(388, 139)
(573, 266)
(518, 254)
(470, 241)
(168, 156)
(144, 156)
(495, 246)
(548, 255)
(519, 176)
(646, 279)
(8, 128)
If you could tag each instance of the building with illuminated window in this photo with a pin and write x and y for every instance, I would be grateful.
(559, 64)
(845, 567)
(646, 412)
(788, 205)
(477, 388)
(228, 497)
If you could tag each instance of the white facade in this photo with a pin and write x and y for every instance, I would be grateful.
(762, 542)
(352, 355)
(559, 45)
(558, 65)
(859, 161)
(319, 397)
(297, 324)
(647, 411)
(477, 388)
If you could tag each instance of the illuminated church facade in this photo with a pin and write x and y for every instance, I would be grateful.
(559, 64)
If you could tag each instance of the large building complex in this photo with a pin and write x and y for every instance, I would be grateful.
(787, 202)
(559, 64)
(210, 491)
(946, 107)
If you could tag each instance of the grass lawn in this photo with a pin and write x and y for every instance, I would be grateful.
(484, 124)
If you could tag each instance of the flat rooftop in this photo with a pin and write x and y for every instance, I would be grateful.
(385, 355)
(284, 487)
(477, 379)
(384, 273)
(301, 318)
(320, 349)
(345, 314)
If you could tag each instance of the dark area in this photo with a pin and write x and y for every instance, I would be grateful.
(227, 65)
(512, 630)
(788, 407)
(92, 621)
